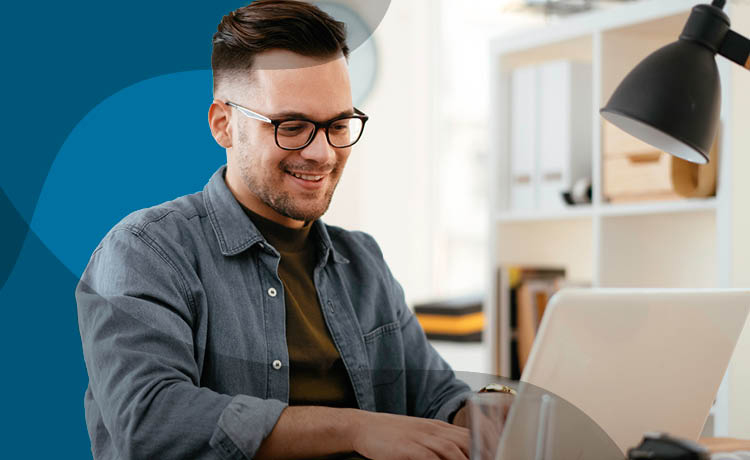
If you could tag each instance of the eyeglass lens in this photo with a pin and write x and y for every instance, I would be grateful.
(294, 134)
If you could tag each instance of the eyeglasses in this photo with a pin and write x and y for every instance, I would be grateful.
(298, 133)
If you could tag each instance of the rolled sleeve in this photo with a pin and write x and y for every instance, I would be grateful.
(136, 323)
(233, 438)
(452, 405)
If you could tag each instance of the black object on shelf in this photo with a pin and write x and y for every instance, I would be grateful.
(581, 193)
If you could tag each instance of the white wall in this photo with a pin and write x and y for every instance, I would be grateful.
(385, 189)
(412, 180)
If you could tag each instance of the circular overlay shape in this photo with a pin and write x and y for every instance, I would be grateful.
(144, 145)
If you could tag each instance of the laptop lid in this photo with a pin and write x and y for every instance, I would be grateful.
(638, 360)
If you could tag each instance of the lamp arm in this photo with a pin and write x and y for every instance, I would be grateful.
(736, 48)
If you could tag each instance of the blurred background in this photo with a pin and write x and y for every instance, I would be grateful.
(483, 116)
(417, 180)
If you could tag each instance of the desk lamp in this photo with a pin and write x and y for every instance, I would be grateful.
(672, 99)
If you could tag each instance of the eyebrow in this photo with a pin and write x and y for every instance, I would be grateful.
(292, 114)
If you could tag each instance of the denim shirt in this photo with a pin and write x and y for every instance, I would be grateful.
(182, 320)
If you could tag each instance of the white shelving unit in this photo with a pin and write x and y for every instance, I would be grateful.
(686, 243)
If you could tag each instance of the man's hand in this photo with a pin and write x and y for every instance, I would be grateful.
(377, 435)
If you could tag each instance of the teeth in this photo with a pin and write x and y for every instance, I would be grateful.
(306, 177)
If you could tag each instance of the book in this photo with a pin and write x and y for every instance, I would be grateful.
(522, 299)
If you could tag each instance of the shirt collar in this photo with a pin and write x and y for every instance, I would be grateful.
(326, 244)
(235, 232)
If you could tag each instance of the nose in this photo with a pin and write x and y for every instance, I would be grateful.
(319, 149)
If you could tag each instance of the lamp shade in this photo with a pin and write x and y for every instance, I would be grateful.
(671, 100)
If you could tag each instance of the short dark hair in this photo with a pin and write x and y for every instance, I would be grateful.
(265, 25)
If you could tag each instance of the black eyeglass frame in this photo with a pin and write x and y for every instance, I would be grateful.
(324, 125)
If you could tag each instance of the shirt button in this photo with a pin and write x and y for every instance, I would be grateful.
(276, 364)
(272, 292)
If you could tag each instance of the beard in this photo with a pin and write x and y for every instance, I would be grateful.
(268, 187)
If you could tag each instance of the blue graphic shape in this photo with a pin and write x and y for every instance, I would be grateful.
(44, 376)
(60, 59)
(144, 145)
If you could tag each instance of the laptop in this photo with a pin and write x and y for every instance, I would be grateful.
(609, 365)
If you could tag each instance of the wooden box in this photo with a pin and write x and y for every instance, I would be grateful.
(634, 171)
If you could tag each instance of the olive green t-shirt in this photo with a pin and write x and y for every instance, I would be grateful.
(317, 375)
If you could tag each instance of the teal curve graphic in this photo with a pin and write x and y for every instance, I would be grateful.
(95, 180)
(87, 53)
(61, 60)
(147, 144)
(61, 64)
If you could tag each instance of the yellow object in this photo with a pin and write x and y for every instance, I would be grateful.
(443, 324)
(514, 276)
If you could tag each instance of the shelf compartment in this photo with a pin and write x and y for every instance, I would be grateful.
(672, 250)
(568, 244)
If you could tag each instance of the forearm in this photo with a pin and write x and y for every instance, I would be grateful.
(311, 431)
(306, 432)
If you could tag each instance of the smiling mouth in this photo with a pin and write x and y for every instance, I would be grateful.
(307, 177)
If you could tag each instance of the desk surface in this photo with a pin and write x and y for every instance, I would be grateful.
(724, 444)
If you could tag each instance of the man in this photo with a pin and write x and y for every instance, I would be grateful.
(232, 323)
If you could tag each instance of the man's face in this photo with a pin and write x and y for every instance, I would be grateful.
(314, 89)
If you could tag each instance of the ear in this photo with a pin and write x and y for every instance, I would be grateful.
(218, 121)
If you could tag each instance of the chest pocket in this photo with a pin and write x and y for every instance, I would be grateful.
(385, 350)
